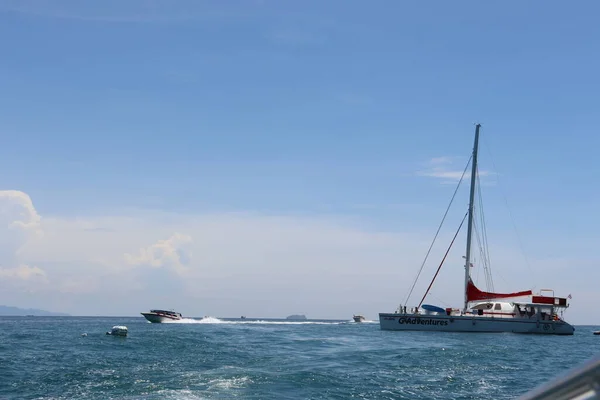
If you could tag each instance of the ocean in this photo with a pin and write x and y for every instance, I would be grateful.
(48, 358)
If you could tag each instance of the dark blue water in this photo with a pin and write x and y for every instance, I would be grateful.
(47, 358)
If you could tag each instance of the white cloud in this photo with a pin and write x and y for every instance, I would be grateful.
(23, 272)
(19, 223)
(242, 263)
(17, 212)
(236, 264)
(173, 253)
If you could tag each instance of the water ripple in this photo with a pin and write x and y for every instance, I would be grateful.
(46, 358)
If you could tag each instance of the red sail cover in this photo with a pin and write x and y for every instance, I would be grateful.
(474, 294)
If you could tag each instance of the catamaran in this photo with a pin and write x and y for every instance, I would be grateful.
(482, 311)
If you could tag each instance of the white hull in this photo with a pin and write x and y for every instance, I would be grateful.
(446, 323)
(158, 318)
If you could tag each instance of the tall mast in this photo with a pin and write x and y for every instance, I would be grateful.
(471, 212)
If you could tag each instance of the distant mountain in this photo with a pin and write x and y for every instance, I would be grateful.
(7, 310)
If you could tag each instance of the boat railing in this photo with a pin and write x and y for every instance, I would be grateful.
(547, 290)
(579, 383)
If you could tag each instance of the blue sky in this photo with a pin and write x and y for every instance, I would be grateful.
(311, 110)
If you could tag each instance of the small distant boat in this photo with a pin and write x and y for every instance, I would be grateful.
(118, 330)
(596, 332)
(243, 317)
(158, 316)
(358, 318)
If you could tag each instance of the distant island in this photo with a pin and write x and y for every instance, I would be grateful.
(15, 311)
(297, 316)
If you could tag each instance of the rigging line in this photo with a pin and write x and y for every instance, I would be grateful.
(485, 245)
(483, 262)
(504, 279)
(512, 219)
(477, 277)
(484, 231)
(480, 215)
(438, 231)
(488, 273)
(480, 244)
(486, 248)
(483, 226)
(443, 259)
(440, 300)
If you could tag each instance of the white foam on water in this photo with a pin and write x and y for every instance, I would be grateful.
(263, 322)
(367, 321)
(205, 320)
(232, 383)
(213, 320)
(181, 394)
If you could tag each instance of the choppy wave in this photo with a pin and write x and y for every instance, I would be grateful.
(263, 359)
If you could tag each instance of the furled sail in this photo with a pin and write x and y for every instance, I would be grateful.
(474, 294)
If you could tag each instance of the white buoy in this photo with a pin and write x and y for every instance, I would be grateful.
(118, 330)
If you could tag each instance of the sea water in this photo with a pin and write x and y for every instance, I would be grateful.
(48, 358)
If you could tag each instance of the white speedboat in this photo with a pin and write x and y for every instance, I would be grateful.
(158, 316)
(358, 318)
(482, 311)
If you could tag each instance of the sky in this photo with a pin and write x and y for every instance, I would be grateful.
(265, 158)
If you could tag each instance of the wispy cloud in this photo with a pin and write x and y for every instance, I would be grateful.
(450, 174)
(23, 272)
(441, 160)
(446, 169)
